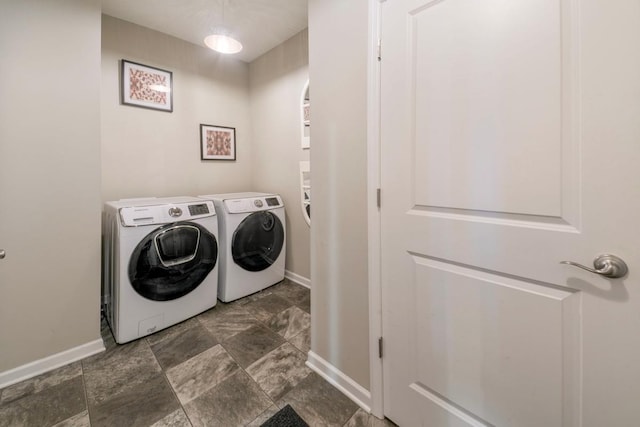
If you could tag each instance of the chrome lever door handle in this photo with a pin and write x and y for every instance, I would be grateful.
(2, 253)
(605, 265)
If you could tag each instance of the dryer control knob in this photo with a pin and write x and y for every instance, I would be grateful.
(258, 203)
(175, 212)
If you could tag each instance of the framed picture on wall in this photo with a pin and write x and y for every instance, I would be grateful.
(217, 142)
(145, 86)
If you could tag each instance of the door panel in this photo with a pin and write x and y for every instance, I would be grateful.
(500, 338)
(507, 146)
(487, 82)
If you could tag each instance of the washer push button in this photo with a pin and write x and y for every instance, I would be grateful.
(175, 211)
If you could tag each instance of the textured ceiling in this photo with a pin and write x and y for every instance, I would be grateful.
(258, 24)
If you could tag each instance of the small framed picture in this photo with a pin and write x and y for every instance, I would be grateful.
(146, 87)
(217, 142)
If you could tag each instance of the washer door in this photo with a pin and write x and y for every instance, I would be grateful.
(258, 241)
(172, 261)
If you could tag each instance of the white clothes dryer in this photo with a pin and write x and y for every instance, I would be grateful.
(160, 263)
(252, 242)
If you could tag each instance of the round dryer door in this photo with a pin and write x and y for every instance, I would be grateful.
(172, 261)
(258, 241)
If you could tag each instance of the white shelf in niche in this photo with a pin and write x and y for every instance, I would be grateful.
(305, 117)
(305, 190)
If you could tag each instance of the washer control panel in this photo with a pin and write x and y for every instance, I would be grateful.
(253, 204)
(272, 201)
(166, 213)
(201, 209)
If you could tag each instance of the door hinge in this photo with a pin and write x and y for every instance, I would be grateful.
(380, 347)
(379, 50)
(378, 197)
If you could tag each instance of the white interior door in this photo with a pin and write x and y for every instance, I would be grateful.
(510, 141)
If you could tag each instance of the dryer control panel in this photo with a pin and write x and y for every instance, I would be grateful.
(253, 204)
(165, 213)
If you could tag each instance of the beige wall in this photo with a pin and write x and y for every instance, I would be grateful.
(339, 296)
(49, 177)
(149, 153)
(276, 82)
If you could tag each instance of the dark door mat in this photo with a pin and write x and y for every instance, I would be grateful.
(285, 417)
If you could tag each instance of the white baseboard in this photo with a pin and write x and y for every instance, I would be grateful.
(350, 388)
(49, 363)
(298, 279)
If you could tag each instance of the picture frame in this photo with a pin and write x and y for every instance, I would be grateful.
(145, 86)
(217, 142)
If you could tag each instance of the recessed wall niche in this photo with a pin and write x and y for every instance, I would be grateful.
(305, 117)
(305, 191)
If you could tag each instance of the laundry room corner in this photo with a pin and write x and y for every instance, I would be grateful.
(276, 80)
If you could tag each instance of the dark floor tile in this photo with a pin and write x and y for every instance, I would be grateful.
(290, 322)
(142, 405)
(47, 407)
(319, 403)
(235, 402)
(250, 345)
(78, 420)
(201, 359)
(273, 289)
(305, 304)
(302, 341)
(197, 375)
(171, 332)
(376, 422)
(253, 297)
(279, 371)
(293, 292)
(260, 294)
(225, 321)
(175, 419)
(181, 343)
(363, 419)
(265, 308)
(117, 370)
(359, 419)
(39, 383)
(263, 417)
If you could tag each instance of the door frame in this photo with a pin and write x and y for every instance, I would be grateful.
(373, 212)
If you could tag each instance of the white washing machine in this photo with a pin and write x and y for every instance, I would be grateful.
(160, 263)
(252, 242)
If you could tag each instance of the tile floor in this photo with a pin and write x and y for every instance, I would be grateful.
(234, 365)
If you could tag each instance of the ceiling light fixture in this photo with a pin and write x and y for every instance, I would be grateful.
(221, 42)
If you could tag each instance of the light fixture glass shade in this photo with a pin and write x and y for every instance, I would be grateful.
(223, 44)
